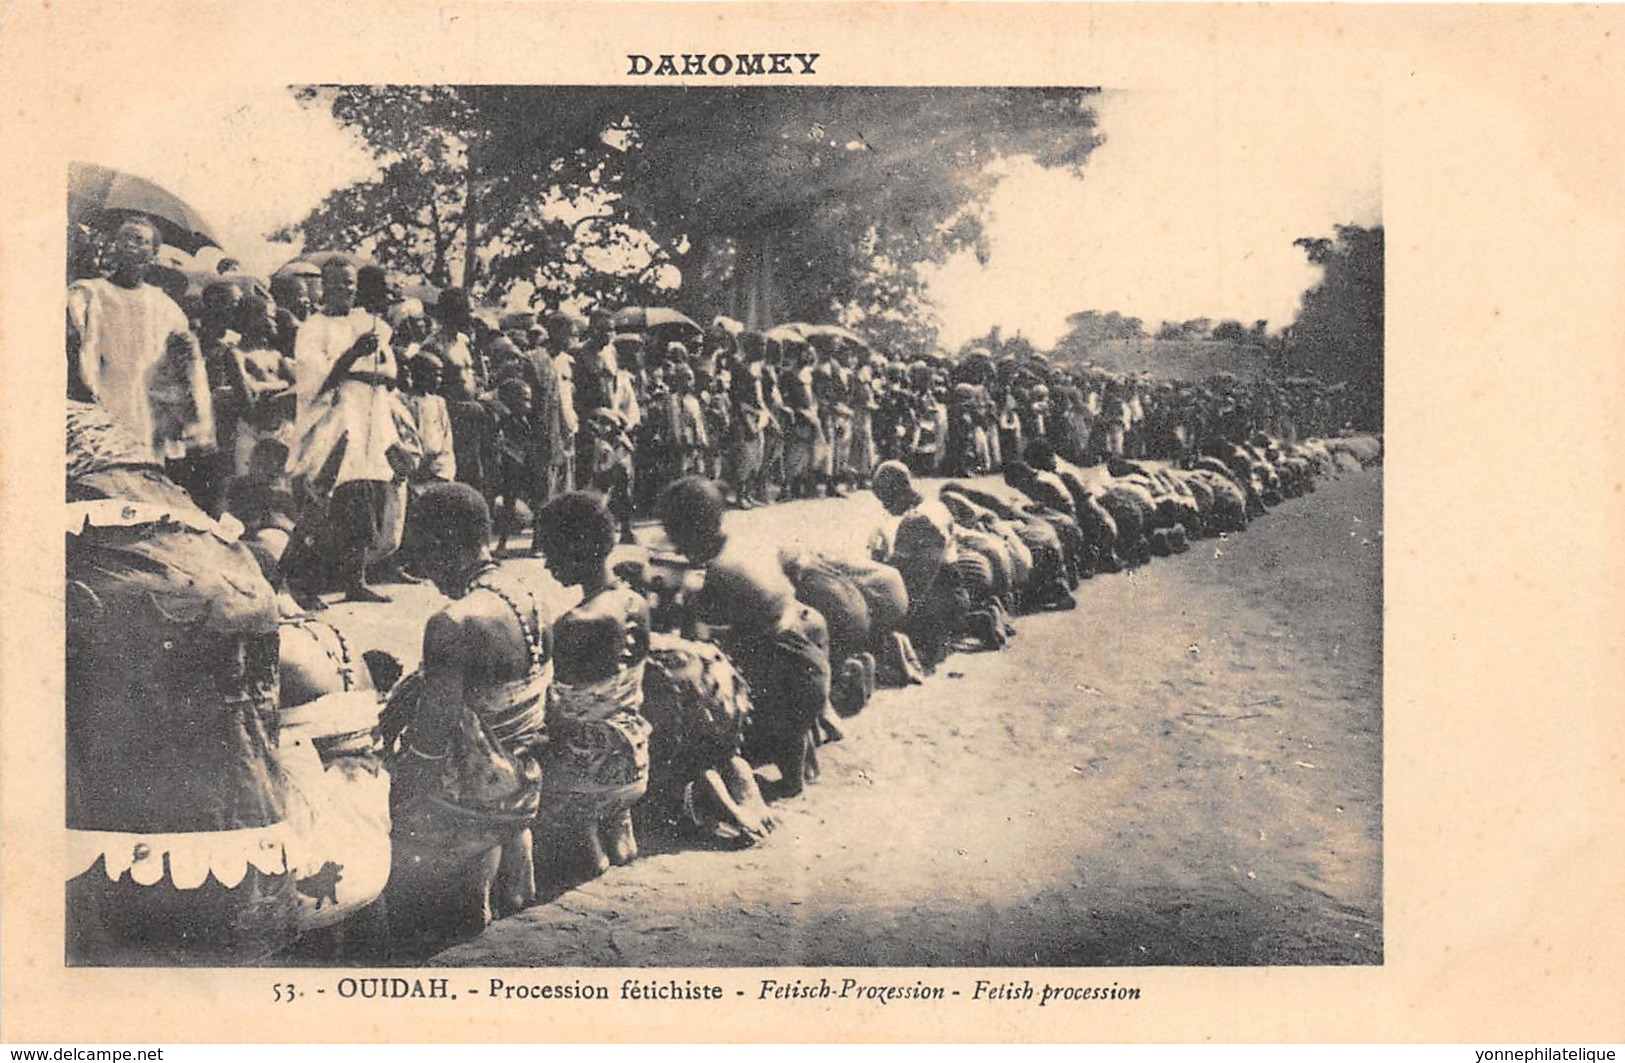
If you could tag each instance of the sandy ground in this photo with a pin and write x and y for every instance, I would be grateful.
(1186, 770)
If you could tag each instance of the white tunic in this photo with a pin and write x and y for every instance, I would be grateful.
(359, 413)
(123, 336)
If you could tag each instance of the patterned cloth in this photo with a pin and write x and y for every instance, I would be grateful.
(598, 738)
(465, 804)
(698, 706)
(97, 441)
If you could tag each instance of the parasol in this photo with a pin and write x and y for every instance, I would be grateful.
(837, 332)
(784, 334)
(301, 266)
(644, 318)
(99, 197)
(427, 294)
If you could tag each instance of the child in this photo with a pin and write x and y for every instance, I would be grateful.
(596, 766)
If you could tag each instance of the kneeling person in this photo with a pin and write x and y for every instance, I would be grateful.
(597, 762)
(780, 645)
(466, 729)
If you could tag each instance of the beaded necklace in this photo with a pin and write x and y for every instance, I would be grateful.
(532, 634)
(313, 627)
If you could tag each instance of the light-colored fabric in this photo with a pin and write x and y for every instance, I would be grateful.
(124, 335)
(338, 808)
(625, 401)
(191, 856)
(564, 368)
(356, 414)
(696, 702)
(453, 349)
(434, 429)
(691, 423)
(516, 711)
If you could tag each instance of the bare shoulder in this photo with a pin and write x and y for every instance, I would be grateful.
(466, 626)
(445, 637)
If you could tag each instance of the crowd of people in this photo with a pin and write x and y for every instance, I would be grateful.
(242, 781)
(248, 389)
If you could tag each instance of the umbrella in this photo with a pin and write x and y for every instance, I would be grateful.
(784, 334)
(838, 332)
(644, 318)
(98, 196)
(301, 266)
(518, 320)
(427, 294)
(197, 280)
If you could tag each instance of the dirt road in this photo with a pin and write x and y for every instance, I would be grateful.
(1186, 770)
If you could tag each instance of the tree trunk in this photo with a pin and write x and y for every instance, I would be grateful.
(471, 229)
(755, 296)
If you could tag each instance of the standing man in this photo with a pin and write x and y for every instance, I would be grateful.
(746, 451)
(832, 386)
(562, 331)
(131, 350)
(346, 428)
(546, 442)
(453, 344)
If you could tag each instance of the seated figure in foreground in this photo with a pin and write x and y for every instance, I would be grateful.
(699, 705)
(596, 766)
(465, 730)
(749, 607)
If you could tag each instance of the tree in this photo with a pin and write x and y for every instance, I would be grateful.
(1091, 329)
(1197, 328)
(1000, 346)
(799, 185)
(410, 216)
(889, 307)
(768, 204)
(451, 204)
(1230, 331)
(1338, 333)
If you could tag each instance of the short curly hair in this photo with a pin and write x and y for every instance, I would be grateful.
(693, 503)
(454, 513)
(579, 519)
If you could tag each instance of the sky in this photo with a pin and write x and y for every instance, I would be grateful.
(250, 162)
(1189, 208)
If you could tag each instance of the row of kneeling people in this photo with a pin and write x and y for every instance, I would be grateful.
(244, 782)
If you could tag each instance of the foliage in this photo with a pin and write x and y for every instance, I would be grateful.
(1091, 328)
(1338, 334)
(1000, 346)
(410, 216)
(782, 204)
(1197, 328)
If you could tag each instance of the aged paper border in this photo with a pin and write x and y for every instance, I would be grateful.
(1504, 673)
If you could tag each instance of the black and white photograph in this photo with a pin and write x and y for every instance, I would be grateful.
(744, 526)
